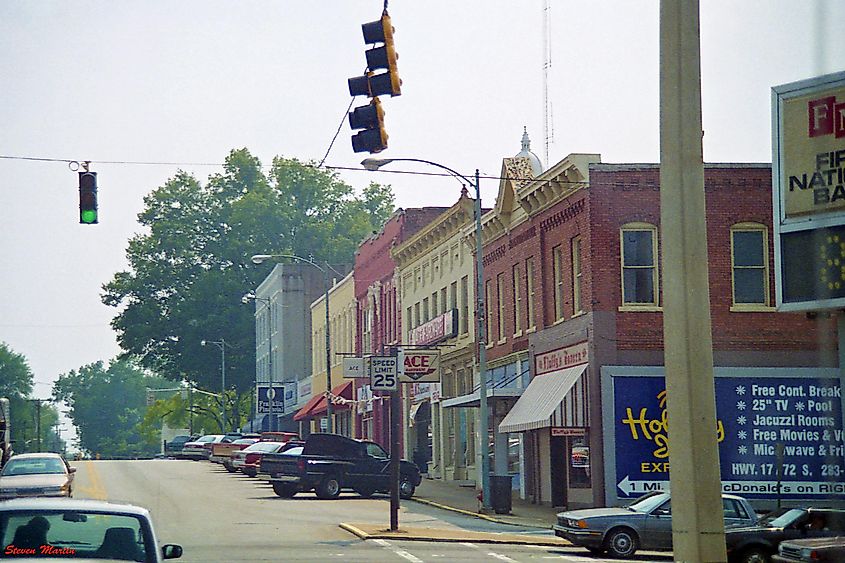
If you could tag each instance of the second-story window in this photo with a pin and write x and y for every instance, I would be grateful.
(749, 262)
(500, 297)
(639, 264)
(557, 259)
(529, 293)
(517, 299)
(576, 276)
(464, 317)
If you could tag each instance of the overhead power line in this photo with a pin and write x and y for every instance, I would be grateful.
(321, 165)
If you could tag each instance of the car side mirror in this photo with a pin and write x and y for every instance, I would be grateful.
(171, 551)
(71, 469)
(662, 512)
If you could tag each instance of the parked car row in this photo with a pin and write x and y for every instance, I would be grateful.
(324, 463)
(801, 534)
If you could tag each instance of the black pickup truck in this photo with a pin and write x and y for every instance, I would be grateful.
(330, 463)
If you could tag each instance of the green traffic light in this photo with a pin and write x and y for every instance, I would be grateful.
(88, 216)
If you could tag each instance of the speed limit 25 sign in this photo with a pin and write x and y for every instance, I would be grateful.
(384, 373)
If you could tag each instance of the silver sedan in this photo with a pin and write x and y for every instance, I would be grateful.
(644, 524)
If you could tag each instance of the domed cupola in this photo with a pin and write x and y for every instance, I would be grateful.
(526, 152)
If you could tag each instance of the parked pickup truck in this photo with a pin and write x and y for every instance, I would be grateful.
(330, 463)
(222, 451)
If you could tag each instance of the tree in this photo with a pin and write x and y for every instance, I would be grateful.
(16, 377)
(106, 405)
(190, 269)
(16, 384)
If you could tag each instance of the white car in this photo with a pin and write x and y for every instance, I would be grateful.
(79, 529)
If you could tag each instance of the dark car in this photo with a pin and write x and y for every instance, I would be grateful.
(756, 544)
(811, 550)
(175, 445)
(646, 523)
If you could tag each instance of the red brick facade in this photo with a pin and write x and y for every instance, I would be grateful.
(376, 292)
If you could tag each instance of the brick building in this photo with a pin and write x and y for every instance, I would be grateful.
(379, 323)
(572, 280)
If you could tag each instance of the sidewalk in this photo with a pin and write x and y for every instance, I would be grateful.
(462, 499)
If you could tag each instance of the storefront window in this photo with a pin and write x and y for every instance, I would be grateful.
(579, 462)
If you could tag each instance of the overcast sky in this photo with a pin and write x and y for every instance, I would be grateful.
(185, 82)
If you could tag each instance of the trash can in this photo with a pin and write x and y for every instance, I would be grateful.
(500, 490)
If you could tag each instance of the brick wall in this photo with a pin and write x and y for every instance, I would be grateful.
(629, 193)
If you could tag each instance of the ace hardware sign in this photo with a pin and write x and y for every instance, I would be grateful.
(808, 183)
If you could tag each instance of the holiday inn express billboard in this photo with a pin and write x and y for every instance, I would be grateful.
(759, 411)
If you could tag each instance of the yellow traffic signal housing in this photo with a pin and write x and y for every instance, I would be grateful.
(383, 57)
(370, 118)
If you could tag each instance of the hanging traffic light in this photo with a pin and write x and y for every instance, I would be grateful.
(88, 198)
(370, 118)
(383, 57)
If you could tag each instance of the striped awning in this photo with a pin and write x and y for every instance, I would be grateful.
(548, 401)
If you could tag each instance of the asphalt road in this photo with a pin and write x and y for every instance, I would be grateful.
(217, 516)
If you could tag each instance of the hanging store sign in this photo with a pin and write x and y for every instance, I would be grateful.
(353, 368)
(416, 366)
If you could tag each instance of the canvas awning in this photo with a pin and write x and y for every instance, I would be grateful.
(543, 396)
(343, 390)
(305, 411)
(474, 399)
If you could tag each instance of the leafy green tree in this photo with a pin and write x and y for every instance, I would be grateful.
(106, 406)
(16, 377)
(191, 266)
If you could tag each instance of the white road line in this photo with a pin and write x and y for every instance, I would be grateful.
(501, 557)
(400, 552)
(467, 544)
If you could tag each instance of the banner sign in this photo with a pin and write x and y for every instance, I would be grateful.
(437, 329)
(265, 394)
(755, 417)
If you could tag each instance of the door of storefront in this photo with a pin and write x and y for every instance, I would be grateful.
(558, 469)
(422, 450)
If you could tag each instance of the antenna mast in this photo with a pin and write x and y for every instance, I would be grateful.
(548, 118)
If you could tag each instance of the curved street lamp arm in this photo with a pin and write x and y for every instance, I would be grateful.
(376, 163)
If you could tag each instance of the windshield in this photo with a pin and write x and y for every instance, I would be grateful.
(72, 534)
(33, 466)
(263, 447)
(781, 518)
(649, 502)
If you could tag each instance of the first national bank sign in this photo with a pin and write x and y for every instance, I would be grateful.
(808, 182)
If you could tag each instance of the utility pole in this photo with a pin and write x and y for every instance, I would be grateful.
(698, 531)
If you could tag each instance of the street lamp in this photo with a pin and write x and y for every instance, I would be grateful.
(250, 296)
(260, 259)
(374, 164)
(222, 345)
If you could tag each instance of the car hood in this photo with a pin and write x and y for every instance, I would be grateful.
(817, 543)
(40, 480)
(608, 512)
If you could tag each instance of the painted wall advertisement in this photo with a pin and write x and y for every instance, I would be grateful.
(757, 418)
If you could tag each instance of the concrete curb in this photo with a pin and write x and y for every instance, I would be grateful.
(449, 535)
(478, 514)
(356, 531)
